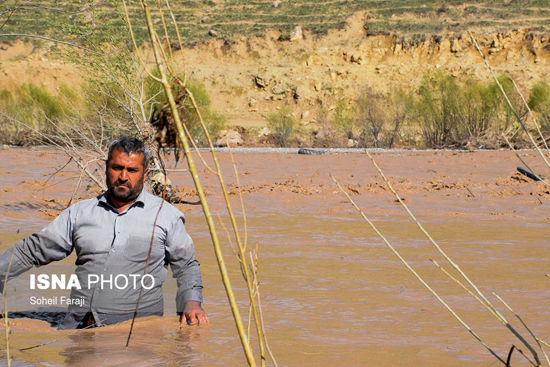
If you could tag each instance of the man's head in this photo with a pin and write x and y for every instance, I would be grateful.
(125, 170)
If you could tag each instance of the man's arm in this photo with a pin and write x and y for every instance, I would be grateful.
(52, 243)
(180, 254)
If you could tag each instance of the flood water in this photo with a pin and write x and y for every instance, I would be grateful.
(332, 292)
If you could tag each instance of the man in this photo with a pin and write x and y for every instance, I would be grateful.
(112, 236)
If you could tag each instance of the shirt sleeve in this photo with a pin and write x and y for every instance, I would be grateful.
(50, 244)
(180, 254)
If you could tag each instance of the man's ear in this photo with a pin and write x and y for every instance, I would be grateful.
(146, 172)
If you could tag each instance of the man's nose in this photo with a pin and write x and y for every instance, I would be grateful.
(123, 175)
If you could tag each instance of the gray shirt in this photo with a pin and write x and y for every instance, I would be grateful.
(111, 251)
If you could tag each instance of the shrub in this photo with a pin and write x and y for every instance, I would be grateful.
(213, 120)
(39, 98)
(539, 102)
(29, 107)
(371, 118)
(478, 104)
(283, 127)
(343, 119)
(401, 105)
(451, 114)
(437, 109)
(327, 136)
(505, 118)
(379, 118)
(539, 98)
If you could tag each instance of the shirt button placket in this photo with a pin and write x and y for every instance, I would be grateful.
(116, 232)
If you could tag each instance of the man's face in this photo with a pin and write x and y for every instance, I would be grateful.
(124, 175)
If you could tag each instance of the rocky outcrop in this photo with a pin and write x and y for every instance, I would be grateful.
(229, 138)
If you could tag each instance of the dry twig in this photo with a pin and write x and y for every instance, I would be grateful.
(499, 316)
(525, 326)
(161, 64)
(420, 279)
(6, 321)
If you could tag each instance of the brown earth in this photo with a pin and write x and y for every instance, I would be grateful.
(252, 77)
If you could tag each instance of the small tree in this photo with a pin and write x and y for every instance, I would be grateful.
(371, 117)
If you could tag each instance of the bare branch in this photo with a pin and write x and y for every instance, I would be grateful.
(411, 269)
(52, 40)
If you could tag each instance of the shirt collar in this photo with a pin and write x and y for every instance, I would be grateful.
(140, 200)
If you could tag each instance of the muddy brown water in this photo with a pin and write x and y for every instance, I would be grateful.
(332, 292)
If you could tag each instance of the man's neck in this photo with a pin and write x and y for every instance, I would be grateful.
(118, 205)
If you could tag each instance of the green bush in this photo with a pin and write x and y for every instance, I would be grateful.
(539, 98)
(478, 105)
(453, 114)
(539, 102)
(343, 119)
(27, 112)
(437, 108)
(401, 106)
(39, 98)
(504, 117)
(214, 121)
(283, 127)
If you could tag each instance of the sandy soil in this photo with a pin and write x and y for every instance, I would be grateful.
(333, 293)
(312, 71)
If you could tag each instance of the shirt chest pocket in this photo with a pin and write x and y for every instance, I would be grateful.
(90, 240)
(136, 247)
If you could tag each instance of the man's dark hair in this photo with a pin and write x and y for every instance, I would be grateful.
(129, 145)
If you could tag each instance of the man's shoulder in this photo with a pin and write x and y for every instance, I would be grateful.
(86, 203)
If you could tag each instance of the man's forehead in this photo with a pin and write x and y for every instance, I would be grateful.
(132, 157)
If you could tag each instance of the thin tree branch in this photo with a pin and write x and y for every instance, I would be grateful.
(5, 296)
(454, 265)
(52, 40)
(525, 326)
(420, 279)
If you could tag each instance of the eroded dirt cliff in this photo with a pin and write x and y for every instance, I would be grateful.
(253, 76)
